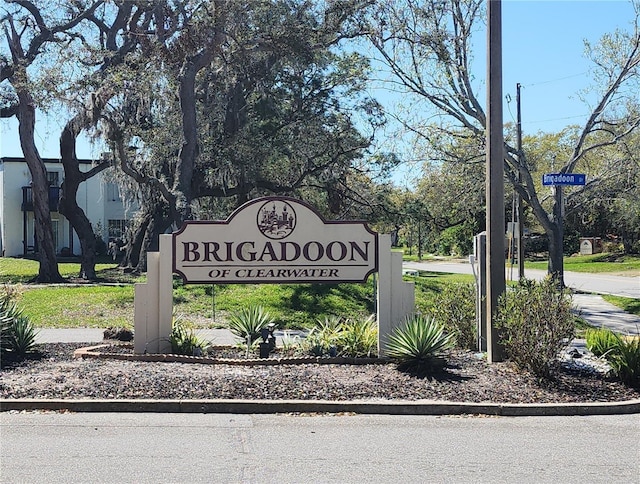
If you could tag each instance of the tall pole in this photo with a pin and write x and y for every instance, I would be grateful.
(519, 210)
(494, 177)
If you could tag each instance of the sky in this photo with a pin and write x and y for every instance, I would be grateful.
(542, 44)
(543, 50)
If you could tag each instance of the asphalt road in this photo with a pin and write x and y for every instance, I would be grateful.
(180, 448)
(579, 281)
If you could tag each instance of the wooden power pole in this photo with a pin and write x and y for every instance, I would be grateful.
(519, 209)
(495, 260)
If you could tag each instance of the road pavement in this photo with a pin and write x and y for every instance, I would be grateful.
(587, 297)
(626, 286)
(150, 448)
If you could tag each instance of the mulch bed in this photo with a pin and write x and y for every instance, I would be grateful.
(466, 377)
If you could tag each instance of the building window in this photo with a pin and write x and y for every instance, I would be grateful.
(117, 229)
(54, 178)
(113, 193)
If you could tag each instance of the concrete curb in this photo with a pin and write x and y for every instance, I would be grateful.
(323, 406)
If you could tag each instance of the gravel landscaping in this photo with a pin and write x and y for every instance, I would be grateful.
(55, 373)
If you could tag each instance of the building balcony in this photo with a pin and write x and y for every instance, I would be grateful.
(27, 199)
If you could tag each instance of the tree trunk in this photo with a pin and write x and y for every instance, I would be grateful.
(146, 237)
(134, 244)
(70, 208)
(556, 235)
(48, 269)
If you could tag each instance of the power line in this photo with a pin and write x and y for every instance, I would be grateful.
(555, 80)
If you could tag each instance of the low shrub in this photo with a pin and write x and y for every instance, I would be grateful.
(622, 353)
(22, 338)
(417, 344)
(534, 321)
(358, 338)
(322, 339)
(455, 308)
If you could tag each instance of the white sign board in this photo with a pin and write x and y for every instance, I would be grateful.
(274, 240)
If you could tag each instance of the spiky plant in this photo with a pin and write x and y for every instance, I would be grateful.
(417, 344)
(600, 340)
(17, 333)
(22, 337)
(249, 321)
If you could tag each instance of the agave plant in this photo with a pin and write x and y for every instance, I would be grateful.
(249, 321)
(417, 344)
(23, 336)
(17, 333)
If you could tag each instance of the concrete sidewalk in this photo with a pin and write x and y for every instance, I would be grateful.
(598, 312)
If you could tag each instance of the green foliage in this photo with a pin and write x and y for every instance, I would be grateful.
(355, 338)
(184, 340)
(600, 341)
(455, 308)
(456, 240)
(416, 344)
(16, 270)
(624, 358)
(248, 321)
(78, 306)
(429, 284)
(596, 263)
(627, 304)
(22, 338)
(17, 333)
(294, 306)
(358, 338)
(622, 353)
(534, 320)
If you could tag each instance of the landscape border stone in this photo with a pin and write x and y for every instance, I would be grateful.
(94, 352)
(323, 406)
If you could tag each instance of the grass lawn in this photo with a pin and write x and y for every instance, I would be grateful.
(292, 305)
(14, 270)
(627, 304)
(597, 263)
(78, 306)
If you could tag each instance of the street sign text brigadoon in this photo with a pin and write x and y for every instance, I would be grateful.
(564, 179)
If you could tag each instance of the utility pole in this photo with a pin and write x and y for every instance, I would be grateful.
(519, 210)
(495, 263)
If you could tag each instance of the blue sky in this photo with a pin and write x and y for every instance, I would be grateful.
(542, 50)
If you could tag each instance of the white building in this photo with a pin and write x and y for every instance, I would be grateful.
(99, 199)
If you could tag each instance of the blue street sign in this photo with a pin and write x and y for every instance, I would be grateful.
(564, 179)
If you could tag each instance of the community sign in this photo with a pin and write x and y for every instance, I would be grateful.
(274, 240)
